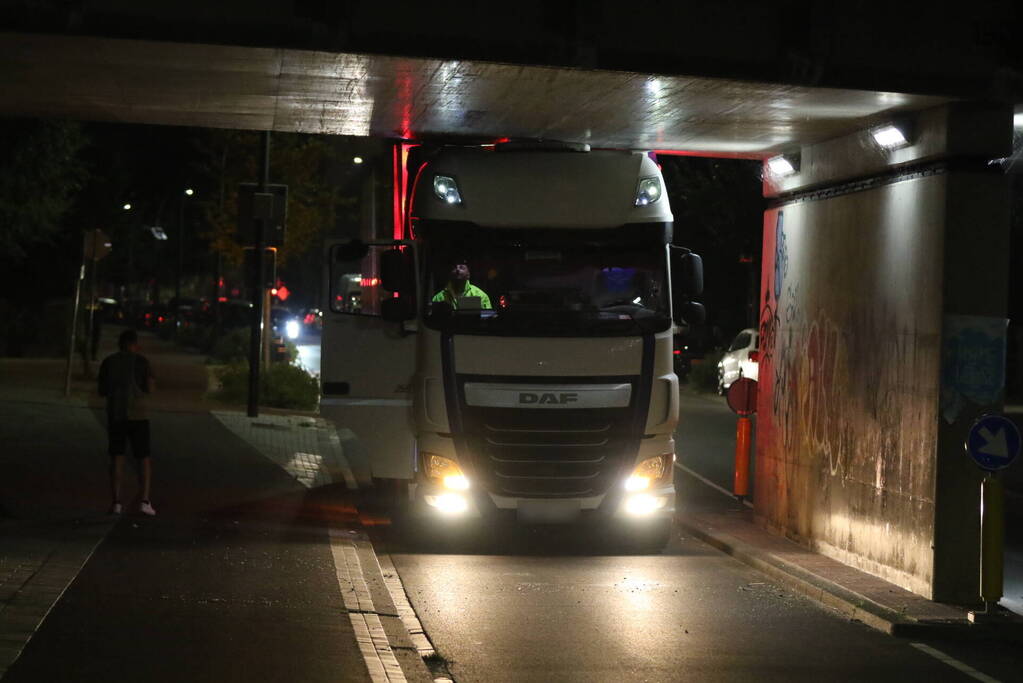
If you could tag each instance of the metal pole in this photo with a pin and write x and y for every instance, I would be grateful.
(74, 326)
(177, 270)
(267, 328)
(89, 349)
(256, 338)
(992, 540)
(743, 437)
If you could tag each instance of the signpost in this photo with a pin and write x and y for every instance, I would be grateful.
(95, 245)
(742, 399)
(262, 214)
(993, 443)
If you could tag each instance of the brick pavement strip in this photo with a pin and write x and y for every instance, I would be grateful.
(37, 566)
(307, 448)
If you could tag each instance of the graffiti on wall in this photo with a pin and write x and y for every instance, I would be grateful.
(839, 379)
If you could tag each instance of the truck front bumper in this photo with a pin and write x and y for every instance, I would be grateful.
(655, 504)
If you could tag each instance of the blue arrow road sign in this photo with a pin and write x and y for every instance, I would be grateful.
(993, 442)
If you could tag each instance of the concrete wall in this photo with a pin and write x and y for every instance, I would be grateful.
(854, 456)
(850, 355)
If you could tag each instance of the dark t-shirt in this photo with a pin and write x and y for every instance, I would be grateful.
(124, 379)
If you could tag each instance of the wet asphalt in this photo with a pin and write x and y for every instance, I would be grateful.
(234, 581)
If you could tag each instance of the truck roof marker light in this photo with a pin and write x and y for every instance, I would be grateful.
(783, 165)
(648, 191)
(446, 189)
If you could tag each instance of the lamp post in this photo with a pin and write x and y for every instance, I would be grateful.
(181, 247)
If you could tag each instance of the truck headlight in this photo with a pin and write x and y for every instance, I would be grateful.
(444, 471)
(446, 188)
(643, 504)
(649, 471)
(648, 191)
(448, 503)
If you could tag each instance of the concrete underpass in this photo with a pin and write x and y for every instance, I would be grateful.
(885, 270)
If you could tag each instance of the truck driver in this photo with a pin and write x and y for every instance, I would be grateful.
(459, 286)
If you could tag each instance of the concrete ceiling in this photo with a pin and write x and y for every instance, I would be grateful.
(288, 90)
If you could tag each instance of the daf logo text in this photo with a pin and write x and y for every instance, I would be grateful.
(548, 397)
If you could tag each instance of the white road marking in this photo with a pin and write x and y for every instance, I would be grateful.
(711, 484)
(954, 663)
(376, 651)
(405, 610)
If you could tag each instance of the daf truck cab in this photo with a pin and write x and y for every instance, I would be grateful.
(512, 356)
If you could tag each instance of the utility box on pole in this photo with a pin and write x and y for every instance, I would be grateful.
(270, 205)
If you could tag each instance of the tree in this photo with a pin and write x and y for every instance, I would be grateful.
(302, 162)
(41, 173)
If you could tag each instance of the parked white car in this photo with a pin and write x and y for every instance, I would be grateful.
(739, 361)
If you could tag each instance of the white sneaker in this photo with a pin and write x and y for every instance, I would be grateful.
(146, 508)
(115, 509)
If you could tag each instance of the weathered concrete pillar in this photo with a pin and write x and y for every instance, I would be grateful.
(873, 259)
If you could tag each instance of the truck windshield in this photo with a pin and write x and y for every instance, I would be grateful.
(530, 282)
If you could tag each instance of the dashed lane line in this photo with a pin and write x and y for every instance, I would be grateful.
(954, 663)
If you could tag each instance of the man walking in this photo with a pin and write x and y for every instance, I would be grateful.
(125, 379)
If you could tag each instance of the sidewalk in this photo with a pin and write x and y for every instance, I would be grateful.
(181, 376)
(249, 567)
(728, 526)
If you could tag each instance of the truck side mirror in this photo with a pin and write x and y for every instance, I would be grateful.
(350, 251)
(686, 285)
(394, 270)
(396, 309)
(397, 276)
(686, 274)
(691, 313)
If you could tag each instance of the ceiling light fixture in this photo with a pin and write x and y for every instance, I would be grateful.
(783, 165)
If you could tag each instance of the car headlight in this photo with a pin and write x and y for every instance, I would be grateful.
(649, 472)
(446, 188)
(291, 328)
(648, 191)
(445, 472)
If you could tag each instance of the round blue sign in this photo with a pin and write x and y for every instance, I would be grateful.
(993, 442)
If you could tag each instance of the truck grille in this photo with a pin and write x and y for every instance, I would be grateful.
(549, 453)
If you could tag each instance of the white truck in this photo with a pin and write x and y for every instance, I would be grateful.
(544, 388)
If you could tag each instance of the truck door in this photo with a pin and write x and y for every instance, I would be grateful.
(367, 364)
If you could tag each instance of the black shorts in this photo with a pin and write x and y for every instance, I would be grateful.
(123, 431)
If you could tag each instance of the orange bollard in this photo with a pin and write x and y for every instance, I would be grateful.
(743, 436)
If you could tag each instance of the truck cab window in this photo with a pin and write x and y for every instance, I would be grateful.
(547, 282)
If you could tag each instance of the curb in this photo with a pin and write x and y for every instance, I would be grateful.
(850, 604)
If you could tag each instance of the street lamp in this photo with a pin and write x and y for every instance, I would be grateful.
(181, 247)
